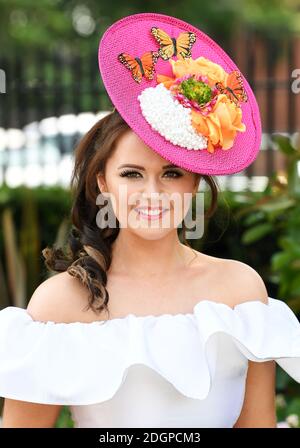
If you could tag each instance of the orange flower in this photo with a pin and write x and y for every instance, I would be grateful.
(222, 123)
(203, 66)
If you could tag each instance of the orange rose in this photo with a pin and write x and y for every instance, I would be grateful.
(220, 125)
(213, 71)
(201, 66)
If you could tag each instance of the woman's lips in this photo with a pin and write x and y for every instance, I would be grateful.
(151, 213)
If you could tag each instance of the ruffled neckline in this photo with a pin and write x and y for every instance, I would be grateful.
(87, 362)
(201, 303)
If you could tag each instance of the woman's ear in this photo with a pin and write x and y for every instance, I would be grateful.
(101, 182)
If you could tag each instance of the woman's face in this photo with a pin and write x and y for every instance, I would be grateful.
(137, 177)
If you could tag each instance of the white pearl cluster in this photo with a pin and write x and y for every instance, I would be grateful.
(170, 118)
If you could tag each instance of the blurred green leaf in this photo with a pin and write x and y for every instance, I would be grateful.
(65, 418)
(280, 260)
(254, 218)
(277, 205)
(256, 233)
(284, 144)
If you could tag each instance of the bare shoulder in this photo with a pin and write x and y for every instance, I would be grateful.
(234, 281)
(246, 282)
(60, 298)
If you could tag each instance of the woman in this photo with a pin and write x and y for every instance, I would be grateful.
(137, 329)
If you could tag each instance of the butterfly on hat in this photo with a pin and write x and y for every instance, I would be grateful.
(169, 46)
(233, 88)
(139, 67)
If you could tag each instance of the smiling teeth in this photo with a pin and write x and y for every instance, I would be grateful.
(150, 212)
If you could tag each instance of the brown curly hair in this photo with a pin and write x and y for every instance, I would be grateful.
(88, 254)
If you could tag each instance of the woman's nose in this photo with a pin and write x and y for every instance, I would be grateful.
(152, 185)
(152, 189)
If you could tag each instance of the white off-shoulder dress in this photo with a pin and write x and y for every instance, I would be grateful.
(170, 370)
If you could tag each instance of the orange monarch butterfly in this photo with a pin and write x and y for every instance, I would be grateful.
(169, 46)
(234, 88)
(140, 67)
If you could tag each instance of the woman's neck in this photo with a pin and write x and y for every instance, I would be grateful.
(136, 256)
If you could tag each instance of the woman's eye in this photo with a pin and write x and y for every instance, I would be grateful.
(177, 174)
(132, 174)
(128, 173)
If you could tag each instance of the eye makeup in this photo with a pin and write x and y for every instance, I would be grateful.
(132, 174)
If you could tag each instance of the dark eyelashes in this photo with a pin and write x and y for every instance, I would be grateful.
(128, 173)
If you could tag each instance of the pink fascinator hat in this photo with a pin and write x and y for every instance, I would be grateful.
(180, 93)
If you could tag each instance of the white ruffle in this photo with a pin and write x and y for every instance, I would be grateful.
(86, 363)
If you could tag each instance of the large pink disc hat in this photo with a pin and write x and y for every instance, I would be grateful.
(180, 93)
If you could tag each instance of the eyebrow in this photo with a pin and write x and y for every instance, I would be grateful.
(142, 168)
